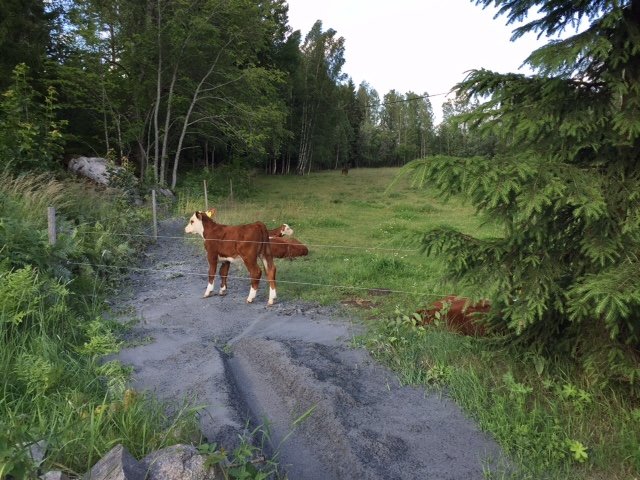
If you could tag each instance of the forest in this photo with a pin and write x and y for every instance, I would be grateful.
(166, 86)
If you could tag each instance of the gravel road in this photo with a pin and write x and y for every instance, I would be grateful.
(251, 364)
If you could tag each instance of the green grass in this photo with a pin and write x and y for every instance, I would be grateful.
(553, 420)
(359, 237)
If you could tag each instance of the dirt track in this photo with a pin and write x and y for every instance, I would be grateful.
(253, 363)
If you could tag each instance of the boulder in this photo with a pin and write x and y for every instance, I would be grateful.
(178, 462)
(118, 464)
(94, 168)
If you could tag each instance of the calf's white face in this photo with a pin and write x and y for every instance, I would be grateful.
(195, 226)
(286, 229)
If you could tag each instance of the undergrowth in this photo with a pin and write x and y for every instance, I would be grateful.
(56, 386)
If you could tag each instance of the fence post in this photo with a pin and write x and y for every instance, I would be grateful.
(231, 189)
(206, 200)
(155, 217)
(51, 220)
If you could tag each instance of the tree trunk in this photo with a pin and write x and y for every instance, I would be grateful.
(156, 140)
(186, 122)
(167, 120)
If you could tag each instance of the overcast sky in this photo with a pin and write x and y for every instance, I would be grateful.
(416, 45)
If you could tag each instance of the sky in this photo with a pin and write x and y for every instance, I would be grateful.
(423, 46)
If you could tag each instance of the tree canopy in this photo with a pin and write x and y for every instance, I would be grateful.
(168, 85)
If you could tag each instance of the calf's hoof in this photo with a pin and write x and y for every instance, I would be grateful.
(249, 300)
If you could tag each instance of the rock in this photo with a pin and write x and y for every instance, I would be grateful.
(118, 464)
(37, 452)
(178, 462)
(54, 475)
(165, 192)
(94, 168)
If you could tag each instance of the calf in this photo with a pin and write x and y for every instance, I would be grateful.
(287, 248)
(459, 315)
(227, 243)
(281, 231)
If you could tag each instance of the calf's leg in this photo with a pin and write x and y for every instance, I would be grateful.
(213, 265)
(255, 272)
(224, 272)
(270, 267)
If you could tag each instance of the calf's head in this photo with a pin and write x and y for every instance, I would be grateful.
(287, 230)
(195, 224)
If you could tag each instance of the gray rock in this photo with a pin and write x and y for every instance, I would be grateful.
(95, 168)
(165, 192)
(37, 452)
(118, 464)
(54, 475)
(178, 462)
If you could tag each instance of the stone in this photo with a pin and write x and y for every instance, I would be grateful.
(178, 462)
(94, 168)
(54, 475)
(37, 452)
(118, 464)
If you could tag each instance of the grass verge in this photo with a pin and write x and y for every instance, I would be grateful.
(55, 385)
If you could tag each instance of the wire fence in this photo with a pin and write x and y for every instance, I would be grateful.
(238, 277)
(153, 235)
(316, 245)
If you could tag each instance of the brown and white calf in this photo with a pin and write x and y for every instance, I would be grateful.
(281, 231)
(460, 315)
(287, 248)
(228, 243)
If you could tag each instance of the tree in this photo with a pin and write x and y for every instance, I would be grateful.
(321, 71)
(563, 184)
(368, 140)
(406, 123)
(24, 36)
(30, 136)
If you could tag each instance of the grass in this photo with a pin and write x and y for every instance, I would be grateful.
(550, 417)
(54, 383)
(360, 238)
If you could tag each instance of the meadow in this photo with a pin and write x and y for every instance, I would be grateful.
(364, 243)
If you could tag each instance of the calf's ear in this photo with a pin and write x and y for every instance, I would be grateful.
(199, 215)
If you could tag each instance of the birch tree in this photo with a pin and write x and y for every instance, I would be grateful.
(322, 61)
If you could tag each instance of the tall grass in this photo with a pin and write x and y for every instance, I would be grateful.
(54, 383)
(553, 419)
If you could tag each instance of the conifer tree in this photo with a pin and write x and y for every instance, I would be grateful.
(564, 184)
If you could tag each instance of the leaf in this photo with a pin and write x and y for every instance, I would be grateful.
(578, 450)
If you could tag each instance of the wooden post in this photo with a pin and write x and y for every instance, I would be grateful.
(206, 199)
(155, 217)
(51, 220)
(231, 189)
